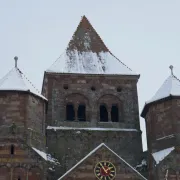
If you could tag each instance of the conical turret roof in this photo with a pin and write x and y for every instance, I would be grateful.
(87, 54)
(15, 80)
(170, 87)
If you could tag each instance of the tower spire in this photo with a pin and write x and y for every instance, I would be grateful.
(16, 59)
(171, 68)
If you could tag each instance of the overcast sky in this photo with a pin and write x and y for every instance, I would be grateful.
(143, 34)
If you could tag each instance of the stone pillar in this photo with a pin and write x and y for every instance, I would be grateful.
(109, 114)
(76, 112)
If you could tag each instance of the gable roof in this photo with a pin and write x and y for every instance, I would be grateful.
(87, 54)
(170, 87)
(92, 152)
(15, 80)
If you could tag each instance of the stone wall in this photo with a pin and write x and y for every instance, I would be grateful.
(92, 91)
(70, 146)
(12, 108)
(23, 164)
(22, 119)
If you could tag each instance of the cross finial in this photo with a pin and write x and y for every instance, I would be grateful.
(171, 68)
(16, 58)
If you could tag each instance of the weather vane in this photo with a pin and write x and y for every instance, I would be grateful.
(16, 59)
(171, 68)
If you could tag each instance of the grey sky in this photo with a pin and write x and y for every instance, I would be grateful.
(143, 34)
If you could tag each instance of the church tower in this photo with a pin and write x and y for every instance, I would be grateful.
(22, 128)
(92, 99)
(162, 114)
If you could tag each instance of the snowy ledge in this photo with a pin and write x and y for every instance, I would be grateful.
(90, 128)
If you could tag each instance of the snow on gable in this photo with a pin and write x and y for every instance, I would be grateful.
(15, 80)
(171, 86)
(160, 155)
(45, 156)
(92, 152)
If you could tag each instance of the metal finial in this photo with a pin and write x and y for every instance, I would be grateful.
(15, 58)
(171, 68)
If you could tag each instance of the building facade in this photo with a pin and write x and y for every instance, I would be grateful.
(85, 123)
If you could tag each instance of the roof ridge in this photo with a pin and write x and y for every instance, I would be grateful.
(28, 80)
(119, 60)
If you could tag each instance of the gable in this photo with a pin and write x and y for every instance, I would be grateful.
(85, 169)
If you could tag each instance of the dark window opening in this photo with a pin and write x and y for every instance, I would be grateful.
(12, 149)
(82, 112)
(70, 113)
(114, 113)
(65, 86)
(19, 178)
(119, 89)
(103, 113)
(93, 88)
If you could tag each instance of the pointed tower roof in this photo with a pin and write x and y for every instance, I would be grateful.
(87, 54)
(170, 87)
(15, 80)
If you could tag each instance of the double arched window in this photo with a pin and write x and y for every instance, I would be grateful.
(110, 109)
(73, 114)
(106, 116)
(76, 107)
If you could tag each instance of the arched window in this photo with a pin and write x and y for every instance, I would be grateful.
(82, 112)
(114, 113)
(70, 113)
(12, 149)
(103, 113)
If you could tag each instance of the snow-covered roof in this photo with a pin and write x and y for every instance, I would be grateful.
(92, 152)
(15, 80)
(170, 87)
(90, 128)
(160, 155)
(45, 156)
(87, 54)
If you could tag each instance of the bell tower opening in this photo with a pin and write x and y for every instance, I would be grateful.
(82, 112)
(70, 113)
(103, 113)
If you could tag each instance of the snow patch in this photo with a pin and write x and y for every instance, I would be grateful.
(89, 63)
(45, 156)
(166, 137)
(90, 129)
(160, 155)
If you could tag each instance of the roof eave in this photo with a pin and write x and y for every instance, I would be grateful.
(25, 92)
(147, 105)
(137, 76)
